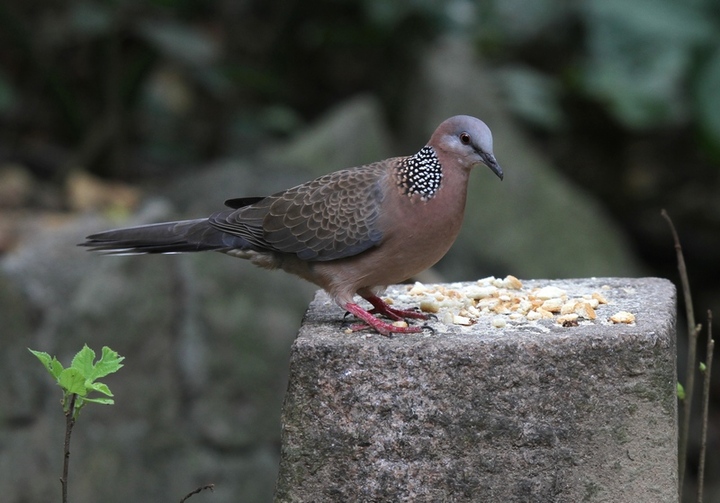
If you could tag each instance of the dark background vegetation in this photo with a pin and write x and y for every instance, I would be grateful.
(623, 96)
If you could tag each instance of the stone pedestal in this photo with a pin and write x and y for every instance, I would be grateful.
(531, 412)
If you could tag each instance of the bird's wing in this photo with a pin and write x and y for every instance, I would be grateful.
(331, 217)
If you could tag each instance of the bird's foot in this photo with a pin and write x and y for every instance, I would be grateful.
(371, 322)
(381, 307)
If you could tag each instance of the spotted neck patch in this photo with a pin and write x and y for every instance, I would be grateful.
(420, 174)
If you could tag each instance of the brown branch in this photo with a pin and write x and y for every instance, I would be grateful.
(198, 490)
(69, 423)
(692, 348)
(706, 402)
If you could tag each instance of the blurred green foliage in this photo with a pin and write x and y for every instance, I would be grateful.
(651, 64)
(179, 80)
(642, 53)
(125, 86)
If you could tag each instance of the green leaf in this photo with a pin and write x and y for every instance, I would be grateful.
(72, 381)
(101, 401)
(100, 388)
(44, 358)
(680, 391)
(109, 363)
(51, 364)
(702, 367)
(80, 377)
(83, 362)
(57, 368)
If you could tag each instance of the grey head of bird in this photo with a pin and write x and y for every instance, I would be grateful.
(468, 140)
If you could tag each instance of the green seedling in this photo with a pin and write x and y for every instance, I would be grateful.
(77, 382)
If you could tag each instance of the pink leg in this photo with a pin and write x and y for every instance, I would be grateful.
(382, 327)
(380, 307)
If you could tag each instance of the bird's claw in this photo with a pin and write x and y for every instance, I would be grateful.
(425, 326)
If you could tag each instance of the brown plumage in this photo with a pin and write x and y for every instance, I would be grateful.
(351, 232)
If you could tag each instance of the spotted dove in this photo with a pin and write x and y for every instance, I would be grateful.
(351, 232)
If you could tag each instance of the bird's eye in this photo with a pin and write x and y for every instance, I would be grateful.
(465, 138)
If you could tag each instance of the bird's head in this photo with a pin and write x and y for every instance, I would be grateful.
(468, 140)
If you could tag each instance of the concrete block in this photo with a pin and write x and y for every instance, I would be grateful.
(530, 412)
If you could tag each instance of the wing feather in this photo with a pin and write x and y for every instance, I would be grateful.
(331, 217)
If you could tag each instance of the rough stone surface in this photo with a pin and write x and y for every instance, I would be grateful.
(533, 412)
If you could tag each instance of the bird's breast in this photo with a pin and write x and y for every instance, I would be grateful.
(419, 232)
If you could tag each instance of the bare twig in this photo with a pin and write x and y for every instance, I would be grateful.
(69, 423)
(706, 400)
(196, 491)
(692, 348)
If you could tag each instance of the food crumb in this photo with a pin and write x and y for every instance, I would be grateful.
(622, 317)
(506, 301)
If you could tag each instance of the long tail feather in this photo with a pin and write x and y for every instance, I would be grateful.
(169, 237)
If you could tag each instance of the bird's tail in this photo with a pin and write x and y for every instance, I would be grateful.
(169, 237)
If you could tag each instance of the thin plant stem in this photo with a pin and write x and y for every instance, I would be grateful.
(196, 491)
(692, 349)
(706, 401)
(69, 423)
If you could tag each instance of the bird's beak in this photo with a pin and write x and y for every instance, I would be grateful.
(491, 163)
